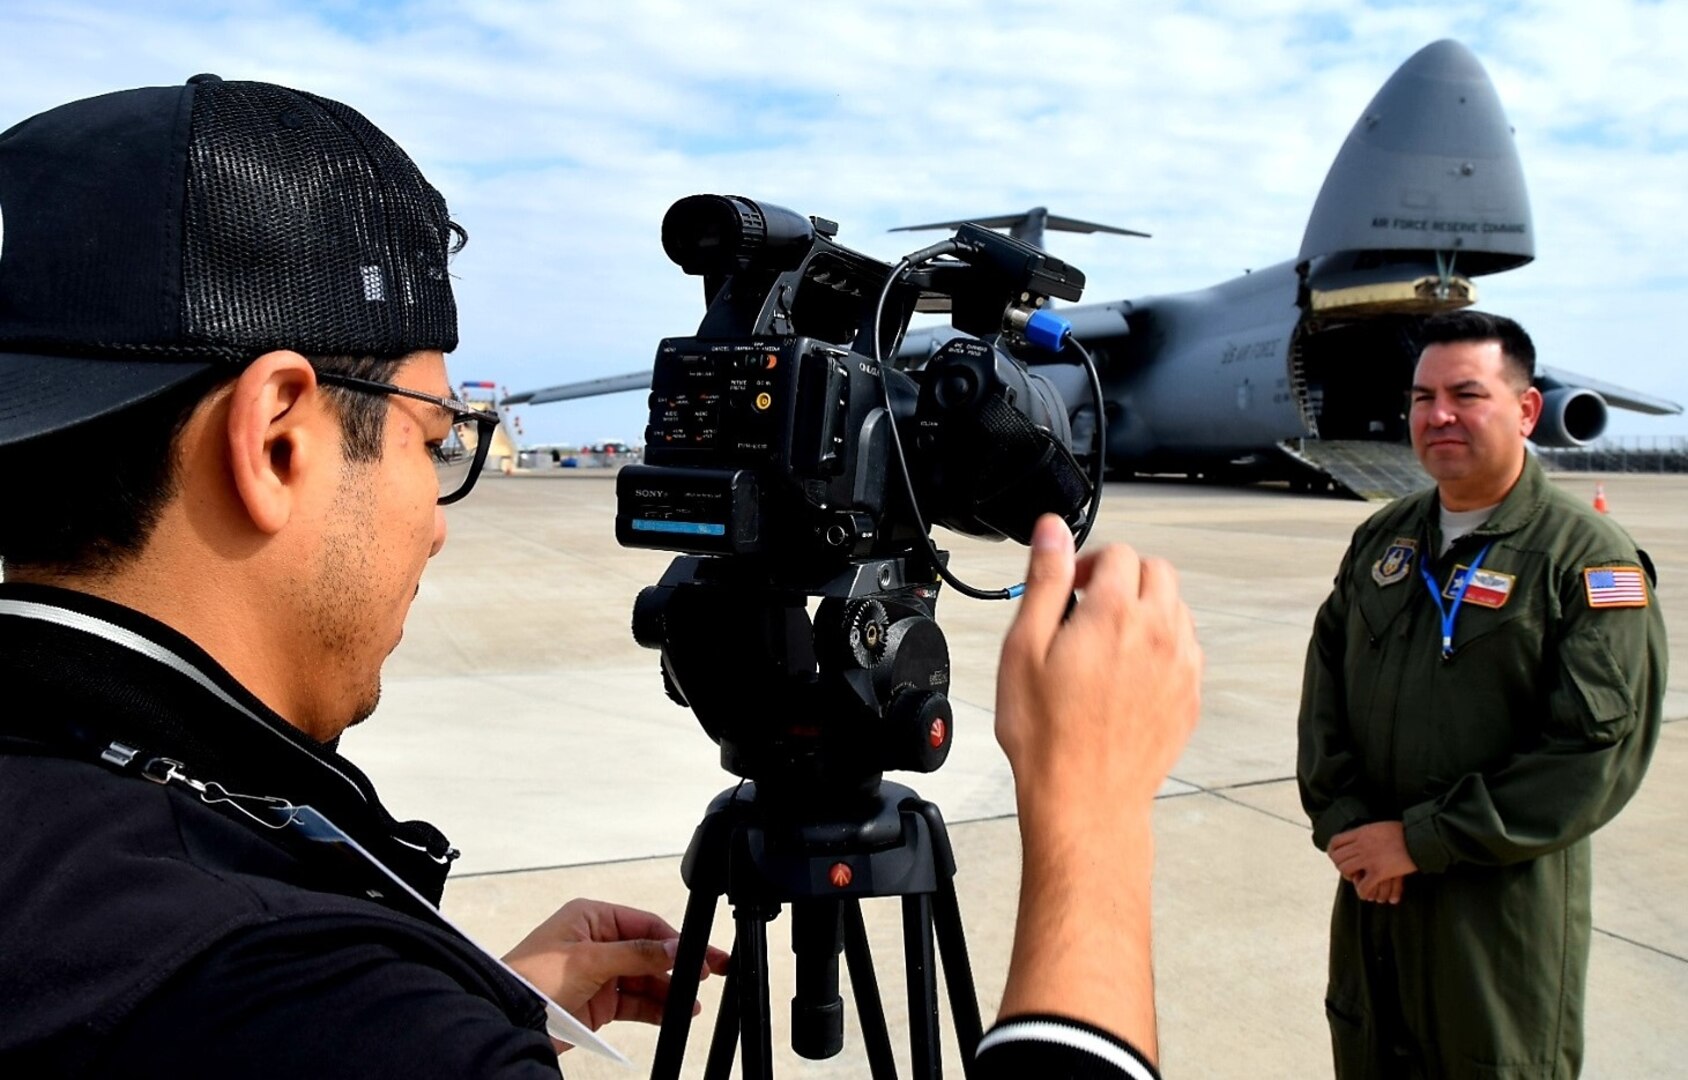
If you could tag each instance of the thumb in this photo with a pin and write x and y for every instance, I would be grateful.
(1049, 584)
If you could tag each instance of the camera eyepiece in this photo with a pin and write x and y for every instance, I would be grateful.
(720, 234)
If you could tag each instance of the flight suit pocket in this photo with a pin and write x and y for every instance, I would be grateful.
(1380, 607)
(1516, 629)
(1351, 1046)
(1594, 696)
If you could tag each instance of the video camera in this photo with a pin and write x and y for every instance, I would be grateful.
(771, 430)
(790, 460)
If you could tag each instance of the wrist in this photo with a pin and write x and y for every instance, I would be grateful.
(1059, 810)
(1081, 946)
(1097, 849)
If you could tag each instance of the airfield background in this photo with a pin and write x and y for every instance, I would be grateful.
(560, 131)
(519, 712)
(520, 716)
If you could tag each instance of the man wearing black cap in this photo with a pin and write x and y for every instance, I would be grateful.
(225, 438)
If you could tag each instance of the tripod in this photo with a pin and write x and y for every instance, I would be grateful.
(886, 842)
(837, 702)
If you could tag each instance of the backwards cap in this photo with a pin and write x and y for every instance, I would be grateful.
(149, 235)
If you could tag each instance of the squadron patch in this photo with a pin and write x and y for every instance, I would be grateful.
(1397, 562)
(1488, 588)
(1615, 586)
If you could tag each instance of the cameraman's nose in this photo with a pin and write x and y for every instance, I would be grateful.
(439, 531)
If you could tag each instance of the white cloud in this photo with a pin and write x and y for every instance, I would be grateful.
(561, 131)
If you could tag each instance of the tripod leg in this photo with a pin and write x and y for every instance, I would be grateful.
(958, 974)
(869, 1009)
(723, 1044)
(750, 970)
(682, 990)
(922, 987)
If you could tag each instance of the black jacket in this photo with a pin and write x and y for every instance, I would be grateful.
(144, 931)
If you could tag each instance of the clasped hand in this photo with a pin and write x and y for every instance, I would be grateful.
(1374, 859)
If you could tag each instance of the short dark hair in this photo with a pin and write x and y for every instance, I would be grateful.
(1451, 327)
(85, 500)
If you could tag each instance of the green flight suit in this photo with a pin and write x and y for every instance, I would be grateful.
(1500, 761)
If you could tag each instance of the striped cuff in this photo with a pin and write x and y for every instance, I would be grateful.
(1057, 1046)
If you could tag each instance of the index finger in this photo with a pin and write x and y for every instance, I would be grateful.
(1049, 582)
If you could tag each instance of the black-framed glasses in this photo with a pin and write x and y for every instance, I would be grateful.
(459, 457)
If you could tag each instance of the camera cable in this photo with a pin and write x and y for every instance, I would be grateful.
(907, 263)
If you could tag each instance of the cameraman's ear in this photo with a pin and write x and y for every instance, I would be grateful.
(275, 435)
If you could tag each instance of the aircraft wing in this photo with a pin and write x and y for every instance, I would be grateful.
(610, 384)
(1550, 378)
(1003, 221)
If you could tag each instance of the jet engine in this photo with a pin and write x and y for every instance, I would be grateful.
(1570, 416)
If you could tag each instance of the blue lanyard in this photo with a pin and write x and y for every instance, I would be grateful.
(1449, 614)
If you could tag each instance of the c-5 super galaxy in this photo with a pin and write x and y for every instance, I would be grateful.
(1300, 371)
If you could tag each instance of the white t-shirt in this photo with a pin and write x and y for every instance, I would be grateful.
(1456, 523)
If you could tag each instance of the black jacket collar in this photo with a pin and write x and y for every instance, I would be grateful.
(79, 672)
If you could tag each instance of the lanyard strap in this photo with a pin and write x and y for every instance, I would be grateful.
(1449, 614)
(303, 821)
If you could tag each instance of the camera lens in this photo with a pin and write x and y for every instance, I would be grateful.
(718, 234)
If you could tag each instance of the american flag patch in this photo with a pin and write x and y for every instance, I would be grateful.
(1617, 586)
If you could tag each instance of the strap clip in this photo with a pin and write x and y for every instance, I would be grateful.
(163, 770)
(119, 755)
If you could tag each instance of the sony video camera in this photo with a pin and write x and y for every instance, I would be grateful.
(788, 459)
(770, 432)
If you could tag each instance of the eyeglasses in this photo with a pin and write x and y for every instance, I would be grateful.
(459, 457)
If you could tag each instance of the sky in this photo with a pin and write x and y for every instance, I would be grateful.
(560, 133)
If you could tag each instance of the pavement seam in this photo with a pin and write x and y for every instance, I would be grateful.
(1199, 609)
(1220, 793)
(566, 866)
(1642, 945)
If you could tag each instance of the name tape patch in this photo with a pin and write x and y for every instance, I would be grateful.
(1615, 586)
(1488, 588)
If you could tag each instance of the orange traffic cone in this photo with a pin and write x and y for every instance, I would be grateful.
(1600, 496)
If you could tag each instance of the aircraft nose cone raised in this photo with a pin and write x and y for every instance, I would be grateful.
(1431, 166)
(1445, 59)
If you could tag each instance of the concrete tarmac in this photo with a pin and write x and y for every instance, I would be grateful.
(520, 717)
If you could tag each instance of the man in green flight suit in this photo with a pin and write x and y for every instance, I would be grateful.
(1482, 692)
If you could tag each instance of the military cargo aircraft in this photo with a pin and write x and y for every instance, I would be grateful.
(1300, 371)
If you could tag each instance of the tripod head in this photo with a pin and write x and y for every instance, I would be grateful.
(812, 711)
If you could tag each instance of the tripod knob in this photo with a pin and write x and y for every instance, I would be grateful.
(922, 727)
(650, 625)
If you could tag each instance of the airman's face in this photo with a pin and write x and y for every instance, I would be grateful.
(1469, 418)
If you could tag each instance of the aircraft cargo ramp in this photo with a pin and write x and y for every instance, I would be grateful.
(1367, 469)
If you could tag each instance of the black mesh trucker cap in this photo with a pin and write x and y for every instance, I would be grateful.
(149, 235)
